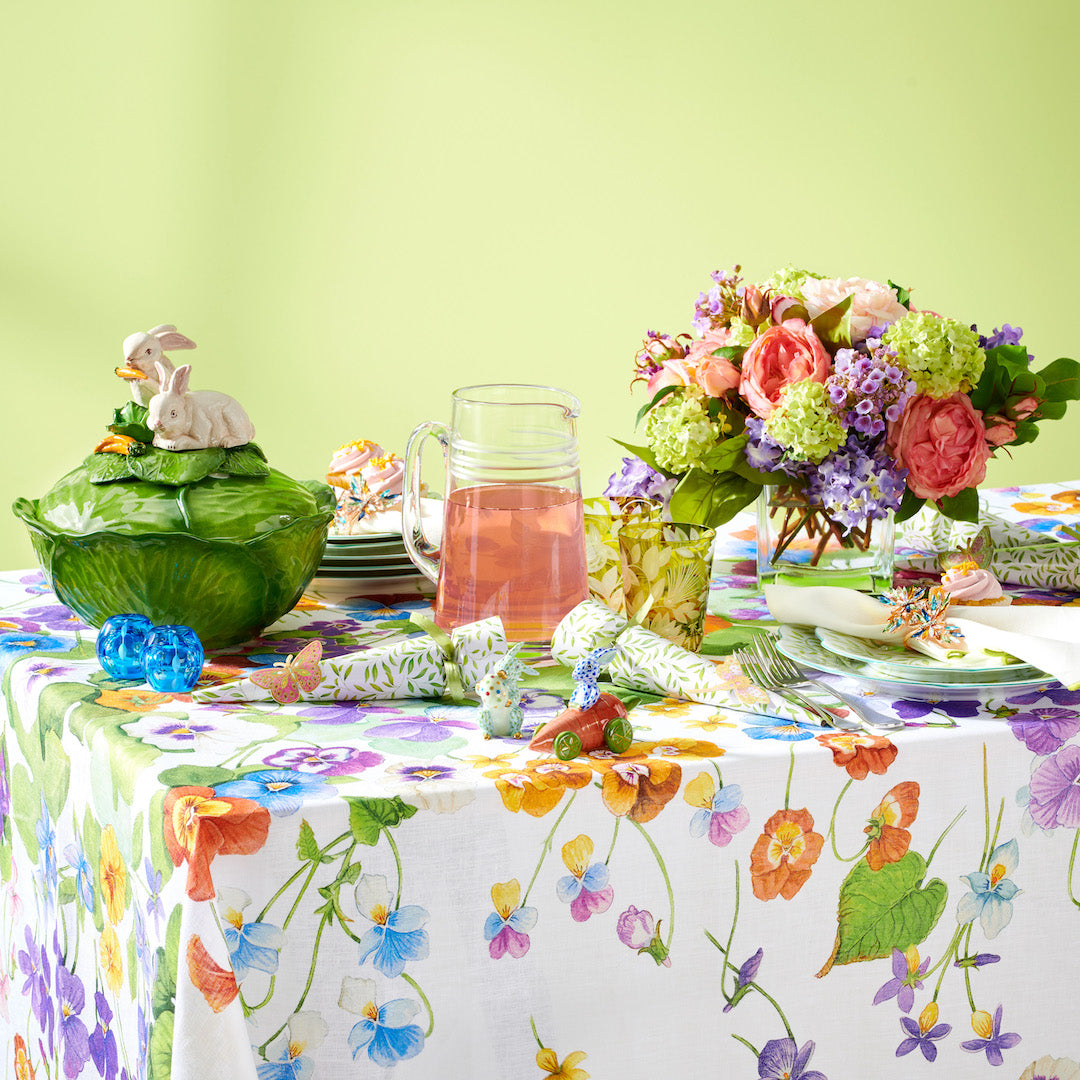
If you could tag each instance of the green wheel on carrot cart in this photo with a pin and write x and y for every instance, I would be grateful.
(618, 734)
(567, 745)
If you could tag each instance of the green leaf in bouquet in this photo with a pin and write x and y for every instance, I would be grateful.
(703, 498)
(1027, 382)
(1052, 410)
(1013, 358)
(105, 468)
(1027, 431)
(177, 467)
(1062, 378)
(833, 325)
(729, 352)
(660, 394)
(643, 452)
(130, 420)
(962, 507)
(725, 455)
(910, 505)
(902, 294)
(246, 460)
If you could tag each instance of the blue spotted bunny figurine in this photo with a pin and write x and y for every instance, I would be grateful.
(501, 713)
(586, 672)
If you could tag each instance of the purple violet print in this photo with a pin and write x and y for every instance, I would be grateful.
(746, 975)
(1046, 729)
(903, 984)
(423, 729)
(1055, 790)
(915, 710)
(45, 669)
(346, 712)
(102, 1043)
(994, 1042)
(781, 1059)
(56, 617)
(924, 1040)
(325, 760)
(34, 964)
(1059, 695)
(71, 997)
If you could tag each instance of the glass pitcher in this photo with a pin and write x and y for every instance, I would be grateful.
(513, 540)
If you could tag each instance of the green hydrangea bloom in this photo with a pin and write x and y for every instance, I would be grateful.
(788, 282)
(742, 333)
(679, 430)
(941, 355)
(803, 423)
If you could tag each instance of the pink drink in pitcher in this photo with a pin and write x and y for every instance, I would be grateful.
(513, 537)
(514, 550)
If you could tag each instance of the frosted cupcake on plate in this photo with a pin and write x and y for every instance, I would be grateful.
(969, 585)
(348, 461)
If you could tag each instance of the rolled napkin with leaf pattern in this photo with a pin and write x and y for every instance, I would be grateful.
(423, 665)
(646, 661)
(1046, 637)
(1015, 555)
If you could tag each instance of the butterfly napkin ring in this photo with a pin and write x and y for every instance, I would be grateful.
(919, 615)
(285, 680)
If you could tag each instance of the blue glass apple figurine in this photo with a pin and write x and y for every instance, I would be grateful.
(120, 644)
(173, 659)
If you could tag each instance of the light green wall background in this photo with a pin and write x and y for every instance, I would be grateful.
(355, 207)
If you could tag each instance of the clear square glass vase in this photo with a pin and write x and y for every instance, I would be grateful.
(799, 543)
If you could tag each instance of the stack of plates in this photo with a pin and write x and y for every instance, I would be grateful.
(895, 666)
(367, 560)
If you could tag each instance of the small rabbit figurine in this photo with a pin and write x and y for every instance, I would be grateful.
(500, 698)
(195, 419)
(585, 673)
(143, 352)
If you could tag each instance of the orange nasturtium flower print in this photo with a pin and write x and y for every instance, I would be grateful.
(783, 855)
(637, 787)
(889, 838)
(216, 984)
(113, 875)
(860, 754)
(138, 699)
(23, 1069)
(681, 748)
(538, 785)
(548, 1060)
(200, 825)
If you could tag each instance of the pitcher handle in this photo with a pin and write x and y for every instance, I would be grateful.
(424, 554)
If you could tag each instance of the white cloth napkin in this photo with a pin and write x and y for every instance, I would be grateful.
(1046, 637)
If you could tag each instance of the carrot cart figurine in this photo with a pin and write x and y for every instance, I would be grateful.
(592, 718)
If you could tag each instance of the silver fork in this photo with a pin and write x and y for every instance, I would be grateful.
(774, 671)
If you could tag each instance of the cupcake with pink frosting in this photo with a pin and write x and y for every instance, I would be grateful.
(349, 460)
(969, 585)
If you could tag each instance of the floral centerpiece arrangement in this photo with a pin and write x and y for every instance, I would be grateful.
(839, 398)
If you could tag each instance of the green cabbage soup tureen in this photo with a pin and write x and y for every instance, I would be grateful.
(176, 515)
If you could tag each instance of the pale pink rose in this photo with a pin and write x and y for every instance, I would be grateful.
(942, 444)
(1000, 430)
(782, 355)
(676, 372)
(872, 304)
(1024, 407)
(715, 375)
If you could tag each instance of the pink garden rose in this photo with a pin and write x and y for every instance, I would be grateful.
(699, 367)
(942, 444)
(674, 372)
(782, 355)
(872, 303)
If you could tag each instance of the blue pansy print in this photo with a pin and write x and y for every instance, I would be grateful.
(288, 1056)
(14, 645)
(396, 938)
(384, 1030)
(373, 611)
(46, 841)
(762, 726)
(84, 875)
(281, 791)
(991, 896)
(253, 946)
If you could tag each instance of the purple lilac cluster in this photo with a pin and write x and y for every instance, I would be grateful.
(1007, 335)
(860, 480)
(638, 481)
(714, 307)
(868, 389)
(857, 482)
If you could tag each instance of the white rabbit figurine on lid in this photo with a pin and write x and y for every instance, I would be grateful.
(184, 419)
(143, 351)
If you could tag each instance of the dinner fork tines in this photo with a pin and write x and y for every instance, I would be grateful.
(772, 670)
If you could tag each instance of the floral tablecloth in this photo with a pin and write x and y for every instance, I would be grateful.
(376, 890)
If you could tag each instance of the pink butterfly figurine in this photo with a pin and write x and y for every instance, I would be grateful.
(299, 672)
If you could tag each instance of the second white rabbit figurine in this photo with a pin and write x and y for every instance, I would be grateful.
(183, 419)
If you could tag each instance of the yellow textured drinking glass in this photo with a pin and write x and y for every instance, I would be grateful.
(604, 518)
(666, 568)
